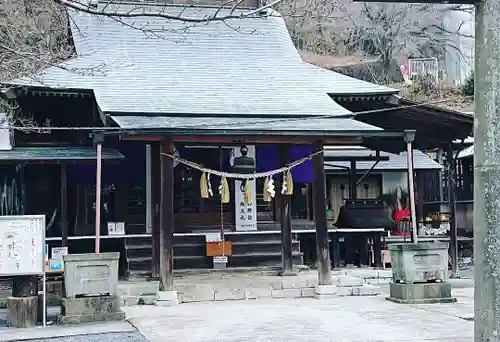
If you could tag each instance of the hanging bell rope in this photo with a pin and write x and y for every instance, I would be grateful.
(241, 175)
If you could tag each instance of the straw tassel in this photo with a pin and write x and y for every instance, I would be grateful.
(247, 197)
(210, 192)
(204, 186)
(289, 183)
(224, 190)
(265, 193)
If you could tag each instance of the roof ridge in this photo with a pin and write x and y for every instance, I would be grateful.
(154, 3)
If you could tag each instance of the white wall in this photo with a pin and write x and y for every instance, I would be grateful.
(391, 180)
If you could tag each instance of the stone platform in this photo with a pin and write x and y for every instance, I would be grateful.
(221, 285)
(90, 309)
(426, 293)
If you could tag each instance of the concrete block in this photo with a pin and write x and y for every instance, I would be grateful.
(346, 281)
(308, 292)
(372, 281)
(286, 293)
(230, 295)
(424, 293)
(325, 291)
(138, 288)
(166, 298)
(198, 296)
(128, 300)
(364, 290)
(255, 293)
(137, 300)
(363, 273)
(276, 285)
(312, 282)
(385, 273)
(293, 283)
(344, 291)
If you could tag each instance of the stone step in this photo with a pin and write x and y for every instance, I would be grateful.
(240, 248)
(254, 237)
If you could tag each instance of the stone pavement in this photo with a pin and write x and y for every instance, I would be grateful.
(346, 319)
(68, 333)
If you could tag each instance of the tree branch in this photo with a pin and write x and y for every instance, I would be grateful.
(216, 16)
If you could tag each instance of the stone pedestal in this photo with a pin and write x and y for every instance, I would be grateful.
(166, 298)
(325, 291)
(423, 293)
(22, 311)
(90, 309)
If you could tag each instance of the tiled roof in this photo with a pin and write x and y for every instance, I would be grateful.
(396, 161)
(246, 67)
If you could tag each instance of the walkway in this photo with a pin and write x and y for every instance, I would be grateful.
(346, 319)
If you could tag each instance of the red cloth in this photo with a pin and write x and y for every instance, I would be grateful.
(400, 215)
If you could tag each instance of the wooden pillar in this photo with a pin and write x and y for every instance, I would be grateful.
(156, 181)
(64, 205)
(286, 219)
(353, 189)
(319, 194)
(452, 172)
(167, 218)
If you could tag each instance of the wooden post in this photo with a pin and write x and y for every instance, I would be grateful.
(353, 189)
(319, 193)
(286, 220)
(167, 218)
(22, 306)
(453, 210)
(98, 200)
(64, 205)
(156, 181)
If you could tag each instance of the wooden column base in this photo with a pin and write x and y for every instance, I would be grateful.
(22, 311)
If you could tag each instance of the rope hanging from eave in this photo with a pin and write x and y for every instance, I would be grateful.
(242, 176)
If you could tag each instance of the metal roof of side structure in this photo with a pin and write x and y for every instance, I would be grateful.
(246, 67)
(396, 162)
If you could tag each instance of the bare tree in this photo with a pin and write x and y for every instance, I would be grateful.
(34, 34)
(384, 31)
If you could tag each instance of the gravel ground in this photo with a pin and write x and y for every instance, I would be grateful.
(112, 337)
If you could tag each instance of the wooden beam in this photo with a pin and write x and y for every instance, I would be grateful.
(142, 138)
(231, 139)
(64, 205)
(319, 193)
(167, 219)
(286, 220)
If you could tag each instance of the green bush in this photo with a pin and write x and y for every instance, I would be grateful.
(468, 87)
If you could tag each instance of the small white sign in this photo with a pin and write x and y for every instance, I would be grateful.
(59, 252)
(120, 228)
(220, 260)
(213, 237)
(116, 228)
(111, 228)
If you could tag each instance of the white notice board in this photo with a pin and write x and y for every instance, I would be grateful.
(22, 243)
